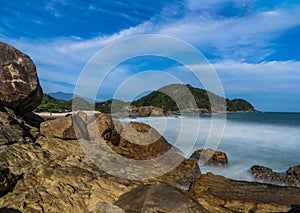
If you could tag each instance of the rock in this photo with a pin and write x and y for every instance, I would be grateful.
(211, 157)
(145, 111)
(13, 129)
(143, 141)
(7, 180)
(103, 126)
(65, 128)
(219, 194)
(267, 175)
(20, 89)
(183, 175)
(107, 208)
(58, 177)
(158, 198)
(33, 119)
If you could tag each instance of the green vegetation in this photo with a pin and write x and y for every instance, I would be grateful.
(186, 96)
(50, 104)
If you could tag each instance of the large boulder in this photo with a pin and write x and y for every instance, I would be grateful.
(211, 157)
(219, 194)
(143, 141)
(20, 89)
(71, 127)
(158, 198)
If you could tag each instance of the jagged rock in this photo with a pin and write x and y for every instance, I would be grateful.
(103, 126)
(145, 111)
(71, 127)
(267, 175)
(19, 86)
(7, 180)
(219, 194)
(158, 198)
(143, 141)
(211, 157)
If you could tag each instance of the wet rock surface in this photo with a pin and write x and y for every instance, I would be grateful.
(20, 89)
(267, 175)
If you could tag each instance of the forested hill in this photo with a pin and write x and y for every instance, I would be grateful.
(189, 99)
(167, 97)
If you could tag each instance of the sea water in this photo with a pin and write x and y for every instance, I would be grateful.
(267, 139)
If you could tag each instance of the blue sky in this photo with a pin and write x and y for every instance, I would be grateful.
(253, 45)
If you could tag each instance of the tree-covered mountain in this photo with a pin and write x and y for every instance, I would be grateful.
(170, 98)
(185, 97)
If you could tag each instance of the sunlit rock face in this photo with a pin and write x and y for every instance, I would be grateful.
(20, 89)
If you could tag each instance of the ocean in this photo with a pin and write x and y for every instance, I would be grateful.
(267, 139)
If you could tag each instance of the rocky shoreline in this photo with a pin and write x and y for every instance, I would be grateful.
(44, 166)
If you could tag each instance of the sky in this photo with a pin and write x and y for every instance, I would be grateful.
(253, 46)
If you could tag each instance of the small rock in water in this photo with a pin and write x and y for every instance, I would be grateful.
(211, 157)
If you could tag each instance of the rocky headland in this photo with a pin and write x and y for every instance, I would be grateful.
(44, 166)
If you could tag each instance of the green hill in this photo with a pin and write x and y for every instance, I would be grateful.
(167, 97)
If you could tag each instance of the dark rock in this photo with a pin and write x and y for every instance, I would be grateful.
(8, 210)
(7, 180)
(219, 194)
(158, 198)
(33, 119)
(13, 129)
(20, 89)
(72, 128)
(103, 126)
(211, 157)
